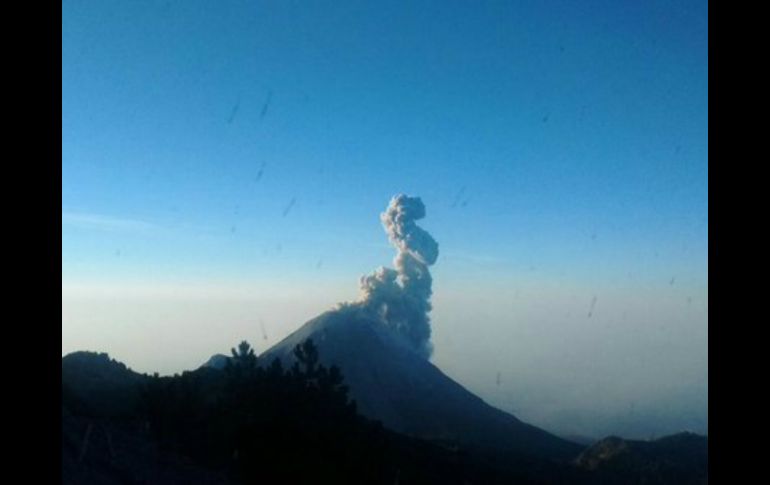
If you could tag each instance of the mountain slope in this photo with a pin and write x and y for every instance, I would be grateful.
(393, 384)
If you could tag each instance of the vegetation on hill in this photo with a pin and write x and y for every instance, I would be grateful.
(254, 423)
(249, 423)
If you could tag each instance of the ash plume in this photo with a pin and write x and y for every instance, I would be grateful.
(400, 297)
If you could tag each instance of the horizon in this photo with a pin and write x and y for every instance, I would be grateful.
(223, 172)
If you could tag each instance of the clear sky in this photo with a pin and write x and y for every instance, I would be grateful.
(225, 163)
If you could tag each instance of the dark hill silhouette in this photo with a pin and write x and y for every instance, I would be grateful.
(95, 385)
(251, 423)
(105, 436)
(242, 424)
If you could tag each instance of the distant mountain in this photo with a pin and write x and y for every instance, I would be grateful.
(217, 361)
(409, 395)
(681, 458)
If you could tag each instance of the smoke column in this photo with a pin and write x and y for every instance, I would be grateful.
(401, 297)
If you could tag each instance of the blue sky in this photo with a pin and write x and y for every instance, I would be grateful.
(253, 145)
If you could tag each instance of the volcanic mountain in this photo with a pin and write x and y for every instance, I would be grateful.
(381, 343)
(392, 383)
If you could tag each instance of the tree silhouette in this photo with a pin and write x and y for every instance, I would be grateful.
(244, 356)
(307, 355)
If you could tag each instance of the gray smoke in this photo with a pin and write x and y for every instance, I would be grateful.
(401, 298)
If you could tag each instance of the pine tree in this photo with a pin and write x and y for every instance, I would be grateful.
(307, 355)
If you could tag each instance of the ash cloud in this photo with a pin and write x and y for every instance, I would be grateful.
(400, 297)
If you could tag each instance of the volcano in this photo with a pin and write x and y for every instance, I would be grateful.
(394, 384)
(381, 343)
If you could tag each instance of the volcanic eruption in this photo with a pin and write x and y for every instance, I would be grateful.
(400, 298)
